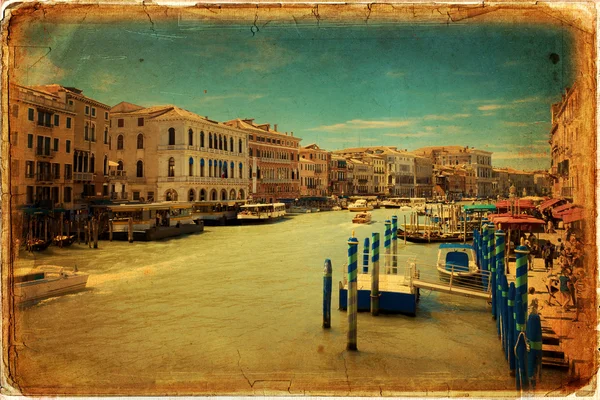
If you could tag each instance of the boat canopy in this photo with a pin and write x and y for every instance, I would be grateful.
(456, 246)
(516, 222)
(549, 203)
(470, 208)
(572, 215)
(522, 204)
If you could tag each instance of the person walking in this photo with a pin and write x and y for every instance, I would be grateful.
(548, 255)
(565, 291)
(530, 255)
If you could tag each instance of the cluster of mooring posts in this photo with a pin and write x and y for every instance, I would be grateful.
(521, 341)
(389, 291)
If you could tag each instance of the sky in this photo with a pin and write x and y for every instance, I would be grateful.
(405, 85)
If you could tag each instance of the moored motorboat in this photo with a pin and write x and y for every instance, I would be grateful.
(63, 241)
(256, 213)
(47, 281)
(363, 217)
(457, 262)
(38, 244)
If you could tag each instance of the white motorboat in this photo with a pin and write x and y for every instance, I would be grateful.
(47, 281)
(261, 212)
(457, 261)
(360, 205)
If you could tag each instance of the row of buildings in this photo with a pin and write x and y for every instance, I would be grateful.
(68, 149)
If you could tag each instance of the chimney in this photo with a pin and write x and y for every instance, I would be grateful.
(275, 127)
(292, 133)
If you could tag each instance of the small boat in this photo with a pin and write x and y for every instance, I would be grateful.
(261, 212)
(363, 217)
(397, 202)
(336, 208)
(47, 281)
(38, 244)
(298, 210)
(457, 262)
(360, 205)
(63, 241)
(432, 237)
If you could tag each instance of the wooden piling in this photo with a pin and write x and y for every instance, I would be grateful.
(352, 294)
(375, 271)
(405, 229)
(95, 229)
(110, 230)
(130, 230)
(78, 223)
(327, 272)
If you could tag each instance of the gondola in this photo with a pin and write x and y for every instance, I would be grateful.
(38, 244)
(63, 241)
(423, 238)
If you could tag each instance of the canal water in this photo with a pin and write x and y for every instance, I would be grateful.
(238, 310)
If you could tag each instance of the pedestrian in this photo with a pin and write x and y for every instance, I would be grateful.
(548, 255)
(530, 255)
(565, 292)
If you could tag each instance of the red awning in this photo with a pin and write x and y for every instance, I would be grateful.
(549, 203)
(522, 222)
(557, 211)
(572, 215)
(520, 203)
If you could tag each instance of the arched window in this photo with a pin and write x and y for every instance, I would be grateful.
(190, 137)
(258, 173)
(92, 164)
(240, 146)
(250, 152)
(110, 142)
(201, 138)
(258, 153)
(241, 168)
(202, 167)
(232, 170)
(171, 195)
(213, 194)
(191, 195)
(220, 171)
(171, 136)
(120, 166)
(223, 194)
(202, 194)
(210, 169)
(120, 142)
(171, 166)
(191, 166)
(242, 195)
(232, 194)
(140, 141)
(139, 169)
(231, 144)
(225, 143)
(105, 165)
(215, 169)
(220, 142)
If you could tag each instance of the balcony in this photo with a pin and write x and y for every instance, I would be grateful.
(45, 102)
(117, 175)
(204, 180)
(137, 180)
(44, 177)
(83, 176)
(44, 152)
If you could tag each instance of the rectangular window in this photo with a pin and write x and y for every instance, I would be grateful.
(93, 111)
(56, 171)
(55, 147)
(68, 122)
(140, 121)
(87, 110)
(120, 122)
(29, 195)
(68, 171)
(56, 120)
(68, 146)
(136, 195)
(29, 169)
(30, 114)
(67, 195)
(150, 196)
(106, 115)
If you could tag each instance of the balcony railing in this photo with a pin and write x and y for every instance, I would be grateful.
(42, 101)
(117, 175)
(200, 179)
(83, 176)
(136, 179)
(44, 152)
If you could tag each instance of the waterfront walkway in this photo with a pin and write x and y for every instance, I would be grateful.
(577, 337)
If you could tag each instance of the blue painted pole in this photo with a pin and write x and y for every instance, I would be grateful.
(352, 293)
(491, 248)
(499, 267)
(511, 327)
(394, 244)
(521, 277)
(534, 358)
(520, 346)
(375, 274)
(387, 241)
(327, 271)
(477, 245)
(505, 319)
(365, 268)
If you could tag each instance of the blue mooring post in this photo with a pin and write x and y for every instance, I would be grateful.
(386, 244)
(499, 262)
(352, 292)
(521, 277)
(505, 325)
(534, 336)
(365, 268)
(492, 268)
(477, 246)
(327, 294)
(511, 327)
(394, 244)
(520, 346)
(375, 274)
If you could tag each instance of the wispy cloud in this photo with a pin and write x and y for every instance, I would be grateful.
(497, 105)
(395, 74)
(410, 135)
(206, 99)
(263, 57)
(491, 107)
(524, 124)
(444, 117)
(357, 124)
